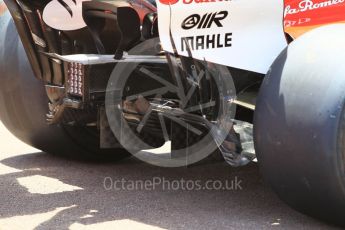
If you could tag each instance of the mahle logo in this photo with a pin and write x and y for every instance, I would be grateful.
(204, 21)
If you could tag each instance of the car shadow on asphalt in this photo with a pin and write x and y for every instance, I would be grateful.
(252, 205)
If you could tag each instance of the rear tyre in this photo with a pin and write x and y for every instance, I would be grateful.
(300, 124)
(24, 105)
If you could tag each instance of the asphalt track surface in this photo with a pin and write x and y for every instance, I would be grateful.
(42, 191)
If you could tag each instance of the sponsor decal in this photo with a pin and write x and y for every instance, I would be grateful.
(203, 42)
(168, 2)
(172, 2)
(301, 16)
(307, 5)
(204, 21)
(203, 1)
(297, 22)
(250, 43)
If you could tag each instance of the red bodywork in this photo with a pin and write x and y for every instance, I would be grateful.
(304, 15)
(3, 8)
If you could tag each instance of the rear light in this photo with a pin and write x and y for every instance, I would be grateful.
(75, 81)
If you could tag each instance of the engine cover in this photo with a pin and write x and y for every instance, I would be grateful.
(242, 34)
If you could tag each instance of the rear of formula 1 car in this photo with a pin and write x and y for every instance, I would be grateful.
(175, 82)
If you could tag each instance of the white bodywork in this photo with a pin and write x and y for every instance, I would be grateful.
(58, 17)
(256, 25)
